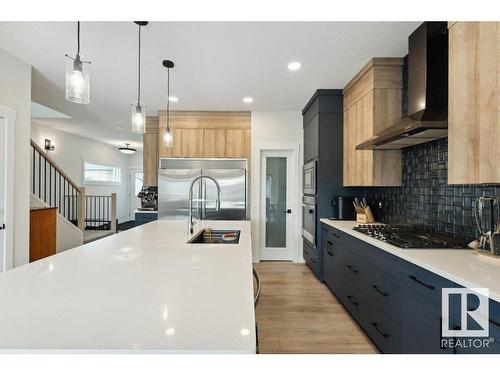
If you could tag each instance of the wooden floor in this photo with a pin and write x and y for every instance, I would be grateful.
(298, 314)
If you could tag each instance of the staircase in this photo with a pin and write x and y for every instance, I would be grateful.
(92, 215)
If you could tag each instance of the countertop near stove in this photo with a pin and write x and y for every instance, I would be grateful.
(463, 266)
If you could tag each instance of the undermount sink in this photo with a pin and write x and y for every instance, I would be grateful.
(222, 236)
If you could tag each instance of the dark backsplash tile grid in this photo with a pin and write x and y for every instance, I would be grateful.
(425, 199)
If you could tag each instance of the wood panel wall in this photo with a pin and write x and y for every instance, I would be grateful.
(150, 160)
(474, 103)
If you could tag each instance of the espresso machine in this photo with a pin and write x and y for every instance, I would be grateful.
(487, 216)
(149, 198)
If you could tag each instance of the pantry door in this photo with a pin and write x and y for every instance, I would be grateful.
(278, 208)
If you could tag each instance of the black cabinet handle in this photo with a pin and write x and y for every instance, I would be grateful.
(329, 248)
(353, 301)
(495, 323)
(311, 211)
(376, 326)
(2, 227)
(288, 211)
(352, 269)
(380, 291)
(431, 287)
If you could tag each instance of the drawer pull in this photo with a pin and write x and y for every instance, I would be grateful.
(495, 323)
(353, 300)
(431, 287)
(352, 268)
(380, 291)
(376, 326)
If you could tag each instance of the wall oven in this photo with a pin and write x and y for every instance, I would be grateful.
(309, 178)
(309, 219)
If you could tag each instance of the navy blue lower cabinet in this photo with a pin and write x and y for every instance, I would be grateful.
(332, 260)
(476, 345)
(145, 217)
(421, 325)
(311, 257)
(383, 330)
(426, 283)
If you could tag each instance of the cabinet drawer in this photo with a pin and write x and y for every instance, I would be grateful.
(424, 282)
(384, 293)
(493, 346)
(311, 257)
(385, 332)
(421, 325)
(355, 269)
(375, 256)
(494, 321)
(354, 301)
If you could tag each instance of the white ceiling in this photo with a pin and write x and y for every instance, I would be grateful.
(217, 64)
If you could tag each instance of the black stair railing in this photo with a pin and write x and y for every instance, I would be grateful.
(51, 185)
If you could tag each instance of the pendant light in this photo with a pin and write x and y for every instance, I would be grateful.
(138, 109)
(77, 76)
(127, 150)
(168, 138)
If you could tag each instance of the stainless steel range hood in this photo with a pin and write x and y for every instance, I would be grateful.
(427, 99)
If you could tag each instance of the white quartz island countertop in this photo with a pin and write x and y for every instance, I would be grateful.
(144, 289)
(462, 266)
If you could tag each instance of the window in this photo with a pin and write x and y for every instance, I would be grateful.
(94, 173)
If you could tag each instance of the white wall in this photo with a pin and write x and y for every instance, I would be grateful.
(69, 154)
(274, 127)
(135, 160)
(15, 92)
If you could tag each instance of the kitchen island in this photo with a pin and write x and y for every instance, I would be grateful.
(144, 289)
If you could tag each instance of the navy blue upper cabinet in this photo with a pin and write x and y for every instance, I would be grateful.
(323, 142)
(311, 137)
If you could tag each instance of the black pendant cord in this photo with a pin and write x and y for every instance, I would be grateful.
(139, 71)
(78, 38)
(168, 99)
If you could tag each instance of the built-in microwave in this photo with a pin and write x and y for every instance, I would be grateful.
(309, 178)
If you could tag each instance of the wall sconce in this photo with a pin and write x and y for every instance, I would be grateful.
(49, 146)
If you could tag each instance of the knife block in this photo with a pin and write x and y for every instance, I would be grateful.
(365, 217)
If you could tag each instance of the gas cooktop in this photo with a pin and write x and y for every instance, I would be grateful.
(411, 237)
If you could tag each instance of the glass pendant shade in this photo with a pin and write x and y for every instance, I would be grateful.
(77, 81)
(168, 138)
(138, 118)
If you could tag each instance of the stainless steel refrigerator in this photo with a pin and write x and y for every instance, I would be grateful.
(176, 174)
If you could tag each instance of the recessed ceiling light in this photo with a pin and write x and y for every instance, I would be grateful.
(119, 127)
(248, 99)
(294, 65)
(173, 99)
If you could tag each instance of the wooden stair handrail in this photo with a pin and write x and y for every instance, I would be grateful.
(59, 169)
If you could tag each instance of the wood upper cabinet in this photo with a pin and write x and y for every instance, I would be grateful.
(474, 103)
(207, 135)
(372, 102)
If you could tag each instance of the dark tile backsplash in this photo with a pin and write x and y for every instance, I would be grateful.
(425, 198)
